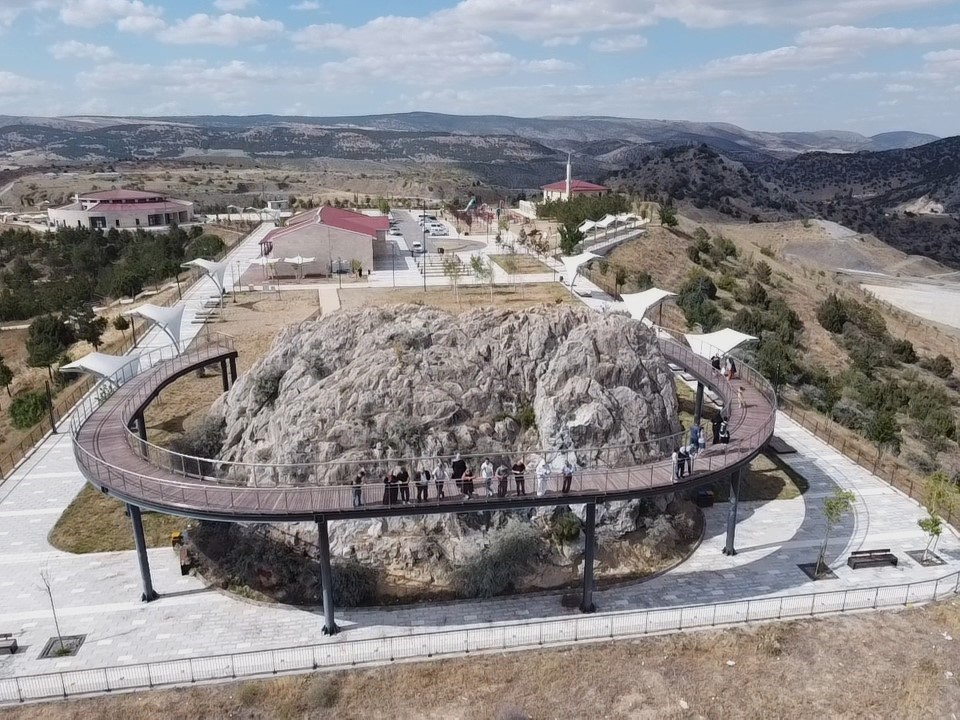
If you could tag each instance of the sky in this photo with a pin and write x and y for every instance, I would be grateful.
(867, 66)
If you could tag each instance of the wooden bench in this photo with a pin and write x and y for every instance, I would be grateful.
(186, 562)
(871, 558)
(8, 643)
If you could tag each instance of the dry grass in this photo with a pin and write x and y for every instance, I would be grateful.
(94, 522)
(873, 665)
(471, 297)
(525, 263)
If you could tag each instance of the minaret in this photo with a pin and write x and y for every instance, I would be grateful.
(569, 177)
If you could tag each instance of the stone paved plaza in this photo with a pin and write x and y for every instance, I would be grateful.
(98, 594)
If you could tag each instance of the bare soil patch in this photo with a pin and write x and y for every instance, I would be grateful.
(525, 263)
(514, 298)
(872, 665)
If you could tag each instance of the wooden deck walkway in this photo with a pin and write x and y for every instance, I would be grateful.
(109, 457)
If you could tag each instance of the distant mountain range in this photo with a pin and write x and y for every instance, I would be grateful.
(601, 143)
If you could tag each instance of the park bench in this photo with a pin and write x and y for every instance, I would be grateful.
(871, 558)
(8, 643)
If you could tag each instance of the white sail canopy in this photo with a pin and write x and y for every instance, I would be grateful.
(214, 270)
(720, 342)
(639, 304)
(168, 319)
(104, 366)
(572, 264)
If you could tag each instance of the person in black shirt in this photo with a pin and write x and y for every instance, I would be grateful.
(358, 488)
(459, 467)
(389, 497)
(503, 480)
(423, 484)
(403, 482)
(518, 470)
(716, 422)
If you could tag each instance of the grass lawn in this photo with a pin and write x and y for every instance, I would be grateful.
(525, 263)
(96, 523)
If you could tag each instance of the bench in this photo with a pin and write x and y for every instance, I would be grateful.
(186, 563)
(871, 558)
(8, 643)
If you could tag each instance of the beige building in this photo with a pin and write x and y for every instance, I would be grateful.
(332, 236)
(122, 209)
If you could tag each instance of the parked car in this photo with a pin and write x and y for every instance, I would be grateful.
(395, 231)
(416, 248)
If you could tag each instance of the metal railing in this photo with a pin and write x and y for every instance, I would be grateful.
(228, 486)
(344, 653)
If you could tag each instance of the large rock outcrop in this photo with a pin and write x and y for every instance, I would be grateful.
(413, 381)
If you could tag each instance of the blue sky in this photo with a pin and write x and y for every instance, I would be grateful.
(862, 65)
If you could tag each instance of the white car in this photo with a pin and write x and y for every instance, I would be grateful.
(417, 247)
(395, 231)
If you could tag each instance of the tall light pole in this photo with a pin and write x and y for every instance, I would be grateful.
(423, 248)
(340, 272)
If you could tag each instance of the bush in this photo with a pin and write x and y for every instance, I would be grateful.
(321, 693)
(939, 366)
(831, 314)
(565, 528)
(27, 409)
(266, 386)
(693, 254)
(643, 280)
(527, 417)
(204, 441)
(496, 570)
(727, 283)
(762, 271)
(903, 351)
(353, 584)
(755, 295)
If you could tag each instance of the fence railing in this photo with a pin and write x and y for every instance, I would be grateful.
(846, 443)
(279, 488)
(344, 653)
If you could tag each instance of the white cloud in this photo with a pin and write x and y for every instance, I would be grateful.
(203, 29)
(860, 38)
(307, 5)
(90, 13)
(232, 5)
(13, 85)
(558, 40)
(551, 65)
(140, 24)
(619, 44)
(77, 49)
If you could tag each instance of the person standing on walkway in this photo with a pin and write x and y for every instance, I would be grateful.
(467, 483)
(518, 477)
(733, 369)
(715, 364)
(486, 474)
(567, 476)
(403, 482)
(503, 479)
(694, 438)
(682, 458)
(724, 433)
(543, 476)
(423, 484)
(701, 439)
(459, 467)
(676, 462)
(717, 420)
(389, 489)
(741, 402)
(358, 488)
(441, 473)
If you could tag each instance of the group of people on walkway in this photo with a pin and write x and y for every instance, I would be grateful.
(396, 482)
(726, 366)
(684, 455)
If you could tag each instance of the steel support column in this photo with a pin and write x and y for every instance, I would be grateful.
(589, 542)
(148, 593)
(223, 375)
(233, 369)
(698, 406)
(728, 548)
(326, 579)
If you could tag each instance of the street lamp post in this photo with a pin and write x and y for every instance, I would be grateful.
(423, 248)
(340, 272)
(393, 262)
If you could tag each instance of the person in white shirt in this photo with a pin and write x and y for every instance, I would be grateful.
(543, 477)
(486, 474)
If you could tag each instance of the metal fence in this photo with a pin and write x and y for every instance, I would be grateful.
(343, 653)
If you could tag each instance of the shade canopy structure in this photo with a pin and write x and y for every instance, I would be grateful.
(639, 304)
(298, 262)
(168, 319)
(572, 264)
(264, 261)
(587, 226)
(721, 342)
(214, 270)
(104, 366)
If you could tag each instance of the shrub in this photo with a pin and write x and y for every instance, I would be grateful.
(941, 366)
(28, 409)
(565, 528)
(755, 295)
(727, 283)
(723, 248)
(204, 441)
(250, 694)
(266, 386)
(693, 254)
(762, 271)
(496, 570)
(321, 693)
(831, 314)
(643, 280)
(527, 417)
(903, 351)
(353, 584)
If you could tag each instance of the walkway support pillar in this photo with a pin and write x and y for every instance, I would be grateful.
(223, 375)
(698, 407)
(148, 593)
(589, 542)
(233, 369)
(728, 548)
(326, 579)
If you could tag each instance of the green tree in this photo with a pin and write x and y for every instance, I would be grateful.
(121, 323)
(383, 206)
(90, 327)
(762, 271)
(48, 337)
(883, 431)
(480, 267)
(570, 238)
(668, 215)
(620, 278)
(512, 267)
(941, 499)
(832, 314)
(834, 508)
(6, 375)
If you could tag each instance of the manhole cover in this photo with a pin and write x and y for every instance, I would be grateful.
(66, 646)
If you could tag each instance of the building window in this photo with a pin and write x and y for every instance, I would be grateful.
(116, 222)
(138, 222)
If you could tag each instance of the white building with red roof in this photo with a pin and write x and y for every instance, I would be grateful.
(123, 210)
(570, 188)
(332, 236)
